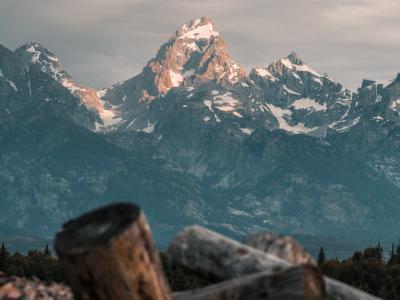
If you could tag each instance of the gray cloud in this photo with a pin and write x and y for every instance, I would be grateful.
(104, 41)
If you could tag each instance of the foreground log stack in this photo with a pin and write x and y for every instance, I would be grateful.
(109, 254)
(212, 254)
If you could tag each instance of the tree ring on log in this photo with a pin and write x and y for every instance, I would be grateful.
(97, 227)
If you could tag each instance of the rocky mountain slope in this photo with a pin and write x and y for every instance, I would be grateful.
(302, 100)
(195, 139)
(27, 88)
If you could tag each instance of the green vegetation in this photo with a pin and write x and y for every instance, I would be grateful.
(40, 264)
(367, 269)
(321, 256)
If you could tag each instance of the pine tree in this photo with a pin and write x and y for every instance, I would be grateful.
(379, 249)
(321, 256)
(392, 255)
(47, 251)
(396, 259)
(3, 257)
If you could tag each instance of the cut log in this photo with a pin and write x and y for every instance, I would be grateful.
(283, 247)
(212, 254)
(295, 283)
(109, 254)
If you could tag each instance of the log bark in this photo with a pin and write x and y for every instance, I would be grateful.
(109, 254)
(283, 247)
(212, 254)
(296, 283)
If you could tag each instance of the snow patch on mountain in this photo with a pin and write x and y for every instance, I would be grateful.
(11, 83)
(188, 73)
(109, 119)
(298, 67)
(349, 125)
(306, 68)
(344, 101)
(48, 62)
(209, 104)
(395, 106)
(280, 115)
(196, 30)
(176, 78)
(237, 114)
(149, 128)
(72, 86)
(378, 118)
(35, 54)
(308, 104)
(247, 130)
(289, 91)
(101, 93)
(226, 103)
(238, 212)
(234, 69)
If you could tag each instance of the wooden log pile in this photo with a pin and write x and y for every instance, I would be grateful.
(212, 254)
(109, 254)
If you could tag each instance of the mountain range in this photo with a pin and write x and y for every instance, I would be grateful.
(195, 138)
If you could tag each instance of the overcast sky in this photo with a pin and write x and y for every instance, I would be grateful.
(101, 42)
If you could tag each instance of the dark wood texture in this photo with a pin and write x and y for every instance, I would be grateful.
(303, 282)
(109, 254)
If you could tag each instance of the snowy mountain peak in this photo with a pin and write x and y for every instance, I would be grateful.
(196, 50)
(293, 64)
(302, 100)
(198, 29)
(34, 53)
(295, 59)
(194, 54)
(39, 52)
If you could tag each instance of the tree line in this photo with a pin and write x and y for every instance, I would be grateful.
(43, 265)
(36, 263)
(368, 269)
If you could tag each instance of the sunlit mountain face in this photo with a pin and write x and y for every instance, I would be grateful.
(195, 138)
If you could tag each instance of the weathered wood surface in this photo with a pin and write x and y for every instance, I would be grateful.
(109, 254)
(212, 254)
(303, 282)
(217, 256)
(283, 247)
